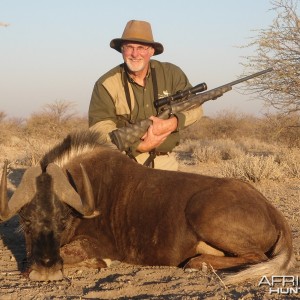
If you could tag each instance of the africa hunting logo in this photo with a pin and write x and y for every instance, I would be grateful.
(282, 285)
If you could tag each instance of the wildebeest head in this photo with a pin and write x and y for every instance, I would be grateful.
(43, 201)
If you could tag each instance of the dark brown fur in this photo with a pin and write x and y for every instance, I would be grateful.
(154, 217)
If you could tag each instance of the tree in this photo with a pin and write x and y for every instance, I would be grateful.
(279, 47)
(61, 110)
(55, 120)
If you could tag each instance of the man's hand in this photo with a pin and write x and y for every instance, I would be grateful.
(157, 133)
(161, 126)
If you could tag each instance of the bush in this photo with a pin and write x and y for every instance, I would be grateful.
(290, 158)
(273, 129)
(227, 125)
(253, 168)
(34, 136)
(42, 125)
(280, 129)
(216, 150)
(11, 129)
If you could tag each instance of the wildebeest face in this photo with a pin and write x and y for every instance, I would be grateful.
(43, 221)
(44, 200)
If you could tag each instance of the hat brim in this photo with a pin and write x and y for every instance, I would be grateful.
(117, 43)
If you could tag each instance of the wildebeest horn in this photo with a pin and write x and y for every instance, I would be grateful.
(67, 194)
(23, 194)
(4, 211)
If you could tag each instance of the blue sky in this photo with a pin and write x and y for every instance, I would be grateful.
(57, 49)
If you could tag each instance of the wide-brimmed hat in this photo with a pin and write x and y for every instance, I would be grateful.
(137, 31)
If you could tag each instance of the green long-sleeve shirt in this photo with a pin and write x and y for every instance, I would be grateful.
(109, 108)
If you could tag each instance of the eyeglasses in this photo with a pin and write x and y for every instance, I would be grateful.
(139, 49)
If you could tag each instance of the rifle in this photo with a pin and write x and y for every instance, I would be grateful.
(124, 137)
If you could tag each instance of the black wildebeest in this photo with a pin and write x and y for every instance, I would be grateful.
(87, 202)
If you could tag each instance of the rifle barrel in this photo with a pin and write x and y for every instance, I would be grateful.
(249, 77)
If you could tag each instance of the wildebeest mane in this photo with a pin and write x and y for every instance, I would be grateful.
(74, 144)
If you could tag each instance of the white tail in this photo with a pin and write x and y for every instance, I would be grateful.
(281, 261)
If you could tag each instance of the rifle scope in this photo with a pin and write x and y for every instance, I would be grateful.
(180, 95)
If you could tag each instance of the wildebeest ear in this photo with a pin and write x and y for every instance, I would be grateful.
(66, 193)
(23, 194)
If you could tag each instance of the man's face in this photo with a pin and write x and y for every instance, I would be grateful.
(136, 56)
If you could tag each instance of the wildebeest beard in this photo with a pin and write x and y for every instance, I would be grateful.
(45, 221)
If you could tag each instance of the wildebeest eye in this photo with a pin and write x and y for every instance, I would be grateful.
(25, 221)
(62, 224)
(27, 226)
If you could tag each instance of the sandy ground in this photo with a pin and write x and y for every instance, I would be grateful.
(123, 281)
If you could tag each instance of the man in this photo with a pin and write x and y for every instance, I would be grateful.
(126, 94)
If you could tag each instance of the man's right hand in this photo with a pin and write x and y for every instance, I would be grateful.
(157, 133)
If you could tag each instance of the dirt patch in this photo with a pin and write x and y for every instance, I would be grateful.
(123, 281)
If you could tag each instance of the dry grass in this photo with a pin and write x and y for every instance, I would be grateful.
(242, 146)
(32, 137)
(246, 160)
(245, 147)
(290, 158)
(271, 129)
(214, 150)
(253, 168)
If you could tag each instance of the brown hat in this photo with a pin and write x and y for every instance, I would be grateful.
(137, 31)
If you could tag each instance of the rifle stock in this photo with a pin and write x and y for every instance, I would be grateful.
(124, 137)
